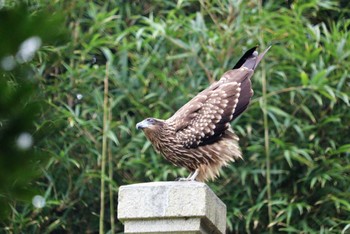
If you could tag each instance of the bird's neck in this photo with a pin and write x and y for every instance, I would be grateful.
(157, 135)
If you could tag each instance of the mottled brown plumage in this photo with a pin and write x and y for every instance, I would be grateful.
(199, 136)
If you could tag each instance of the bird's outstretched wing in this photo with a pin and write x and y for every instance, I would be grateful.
(206, 117)
(203, 119)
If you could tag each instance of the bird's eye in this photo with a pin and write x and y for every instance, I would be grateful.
(150, 120)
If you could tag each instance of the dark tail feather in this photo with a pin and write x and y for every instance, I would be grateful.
(250, 59)
(244, 58)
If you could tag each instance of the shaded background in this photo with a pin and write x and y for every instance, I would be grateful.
(155, 56)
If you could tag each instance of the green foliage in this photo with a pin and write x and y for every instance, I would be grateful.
(159, 55)
(20, 158)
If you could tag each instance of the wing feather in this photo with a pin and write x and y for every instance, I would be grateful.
(206, 117)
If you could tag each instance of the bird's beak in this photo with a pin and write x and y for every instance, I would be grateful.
(141, 125)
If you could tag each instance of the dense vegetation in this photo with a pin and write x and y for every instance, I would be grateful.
(123, 61)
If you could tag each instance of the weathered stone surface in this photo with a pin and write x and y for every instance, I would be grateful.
(171, 207)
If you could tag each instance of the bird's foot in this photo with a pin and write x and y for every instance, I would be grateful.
(182, 179)
(191, 177)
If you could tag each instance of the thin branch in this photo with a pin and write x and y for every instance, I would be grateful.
(212, 16)
(110, 185)
(266, 132)
(207, 72)
(104, 150)
(289, 89)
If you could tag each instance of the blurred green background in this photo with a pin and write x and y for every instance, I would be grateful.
(96, 68)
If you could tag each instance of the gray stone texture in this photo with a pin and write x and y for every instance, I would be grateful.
(171, 207)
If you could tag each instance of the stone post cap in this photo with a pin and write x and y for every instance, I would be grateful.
(169, 207)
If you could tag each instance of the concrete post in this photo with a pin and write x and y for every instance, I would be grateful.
(171, 207)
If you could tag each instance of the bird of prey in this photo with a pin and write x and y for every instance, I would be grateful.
(199, 136)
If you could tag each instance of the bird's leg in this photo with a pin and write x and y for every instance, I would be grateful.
(193, 175)
(185, 179)
(189, 176)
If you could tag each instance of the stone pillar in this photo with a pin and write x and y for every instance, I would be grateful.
(171, 207)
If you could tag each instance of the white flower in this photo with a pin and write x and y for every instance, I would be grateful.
(8, 63)
(28, 48)
(38, 201)
(24, 141)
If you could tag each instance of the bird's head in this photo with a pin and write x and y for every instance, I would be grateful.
(149, 124)
(154, 130)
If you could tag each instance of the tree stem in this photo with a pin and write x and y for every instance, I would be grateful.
(110, 186)
(104, 150)
(266, 129)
